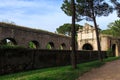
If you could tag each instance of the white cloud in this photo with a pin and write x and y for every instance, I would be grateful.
(42, 14)
(15, 3)
(36, 14)
(27, 6)
(48, 22)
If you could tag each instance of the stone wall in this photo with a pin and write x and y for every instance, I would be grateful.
(16, 60)
(87, 35)
(23, 35)
(87, 40)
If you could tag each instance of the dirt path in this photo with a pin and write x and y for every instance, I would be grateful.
(109, 71)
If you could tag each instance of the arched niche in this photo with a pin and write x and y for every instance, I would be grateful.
(87, 46)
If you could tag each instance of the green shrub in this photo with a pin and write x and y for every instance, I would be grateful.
(32, 45)
(109, 52)
(10, 47)
(48, 46)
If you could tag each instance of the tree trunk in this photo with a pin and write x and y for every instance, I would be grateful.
(98, 40)
(73, 54)
(97, 33)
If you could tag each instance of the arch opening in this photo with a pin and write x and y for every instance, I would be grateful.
(62, 46)
(8, 41)
(113, 49)
(34, 44)
(87, 46)
(50, 45)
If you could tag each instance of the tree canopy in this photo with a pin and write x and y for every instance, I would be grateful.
(85, 8)
(65, 29)
(107, 32)
(115, 28)
(89, 10)
(116, 4)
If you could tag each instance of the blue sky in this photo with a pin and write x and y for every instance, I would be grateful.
(41, 14)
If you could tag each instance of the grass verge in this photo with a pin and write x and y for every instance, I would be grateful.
(57, 73)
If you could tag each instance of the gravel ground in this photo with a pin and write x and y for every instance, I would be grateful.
(109, 71)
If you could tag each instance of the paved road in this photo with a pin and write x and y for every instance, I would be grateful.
(109, 71)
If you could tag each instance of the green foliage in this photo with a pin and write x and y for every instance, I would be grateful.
(115, 28)
(111, 59)
(116, 4)
(107, 32)
(10, 47)
(61, 47)
(65, 29)
(48, 46)
(57, 73)
(109, 52)
(87, 9)
(66, 7)
(32, 45)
